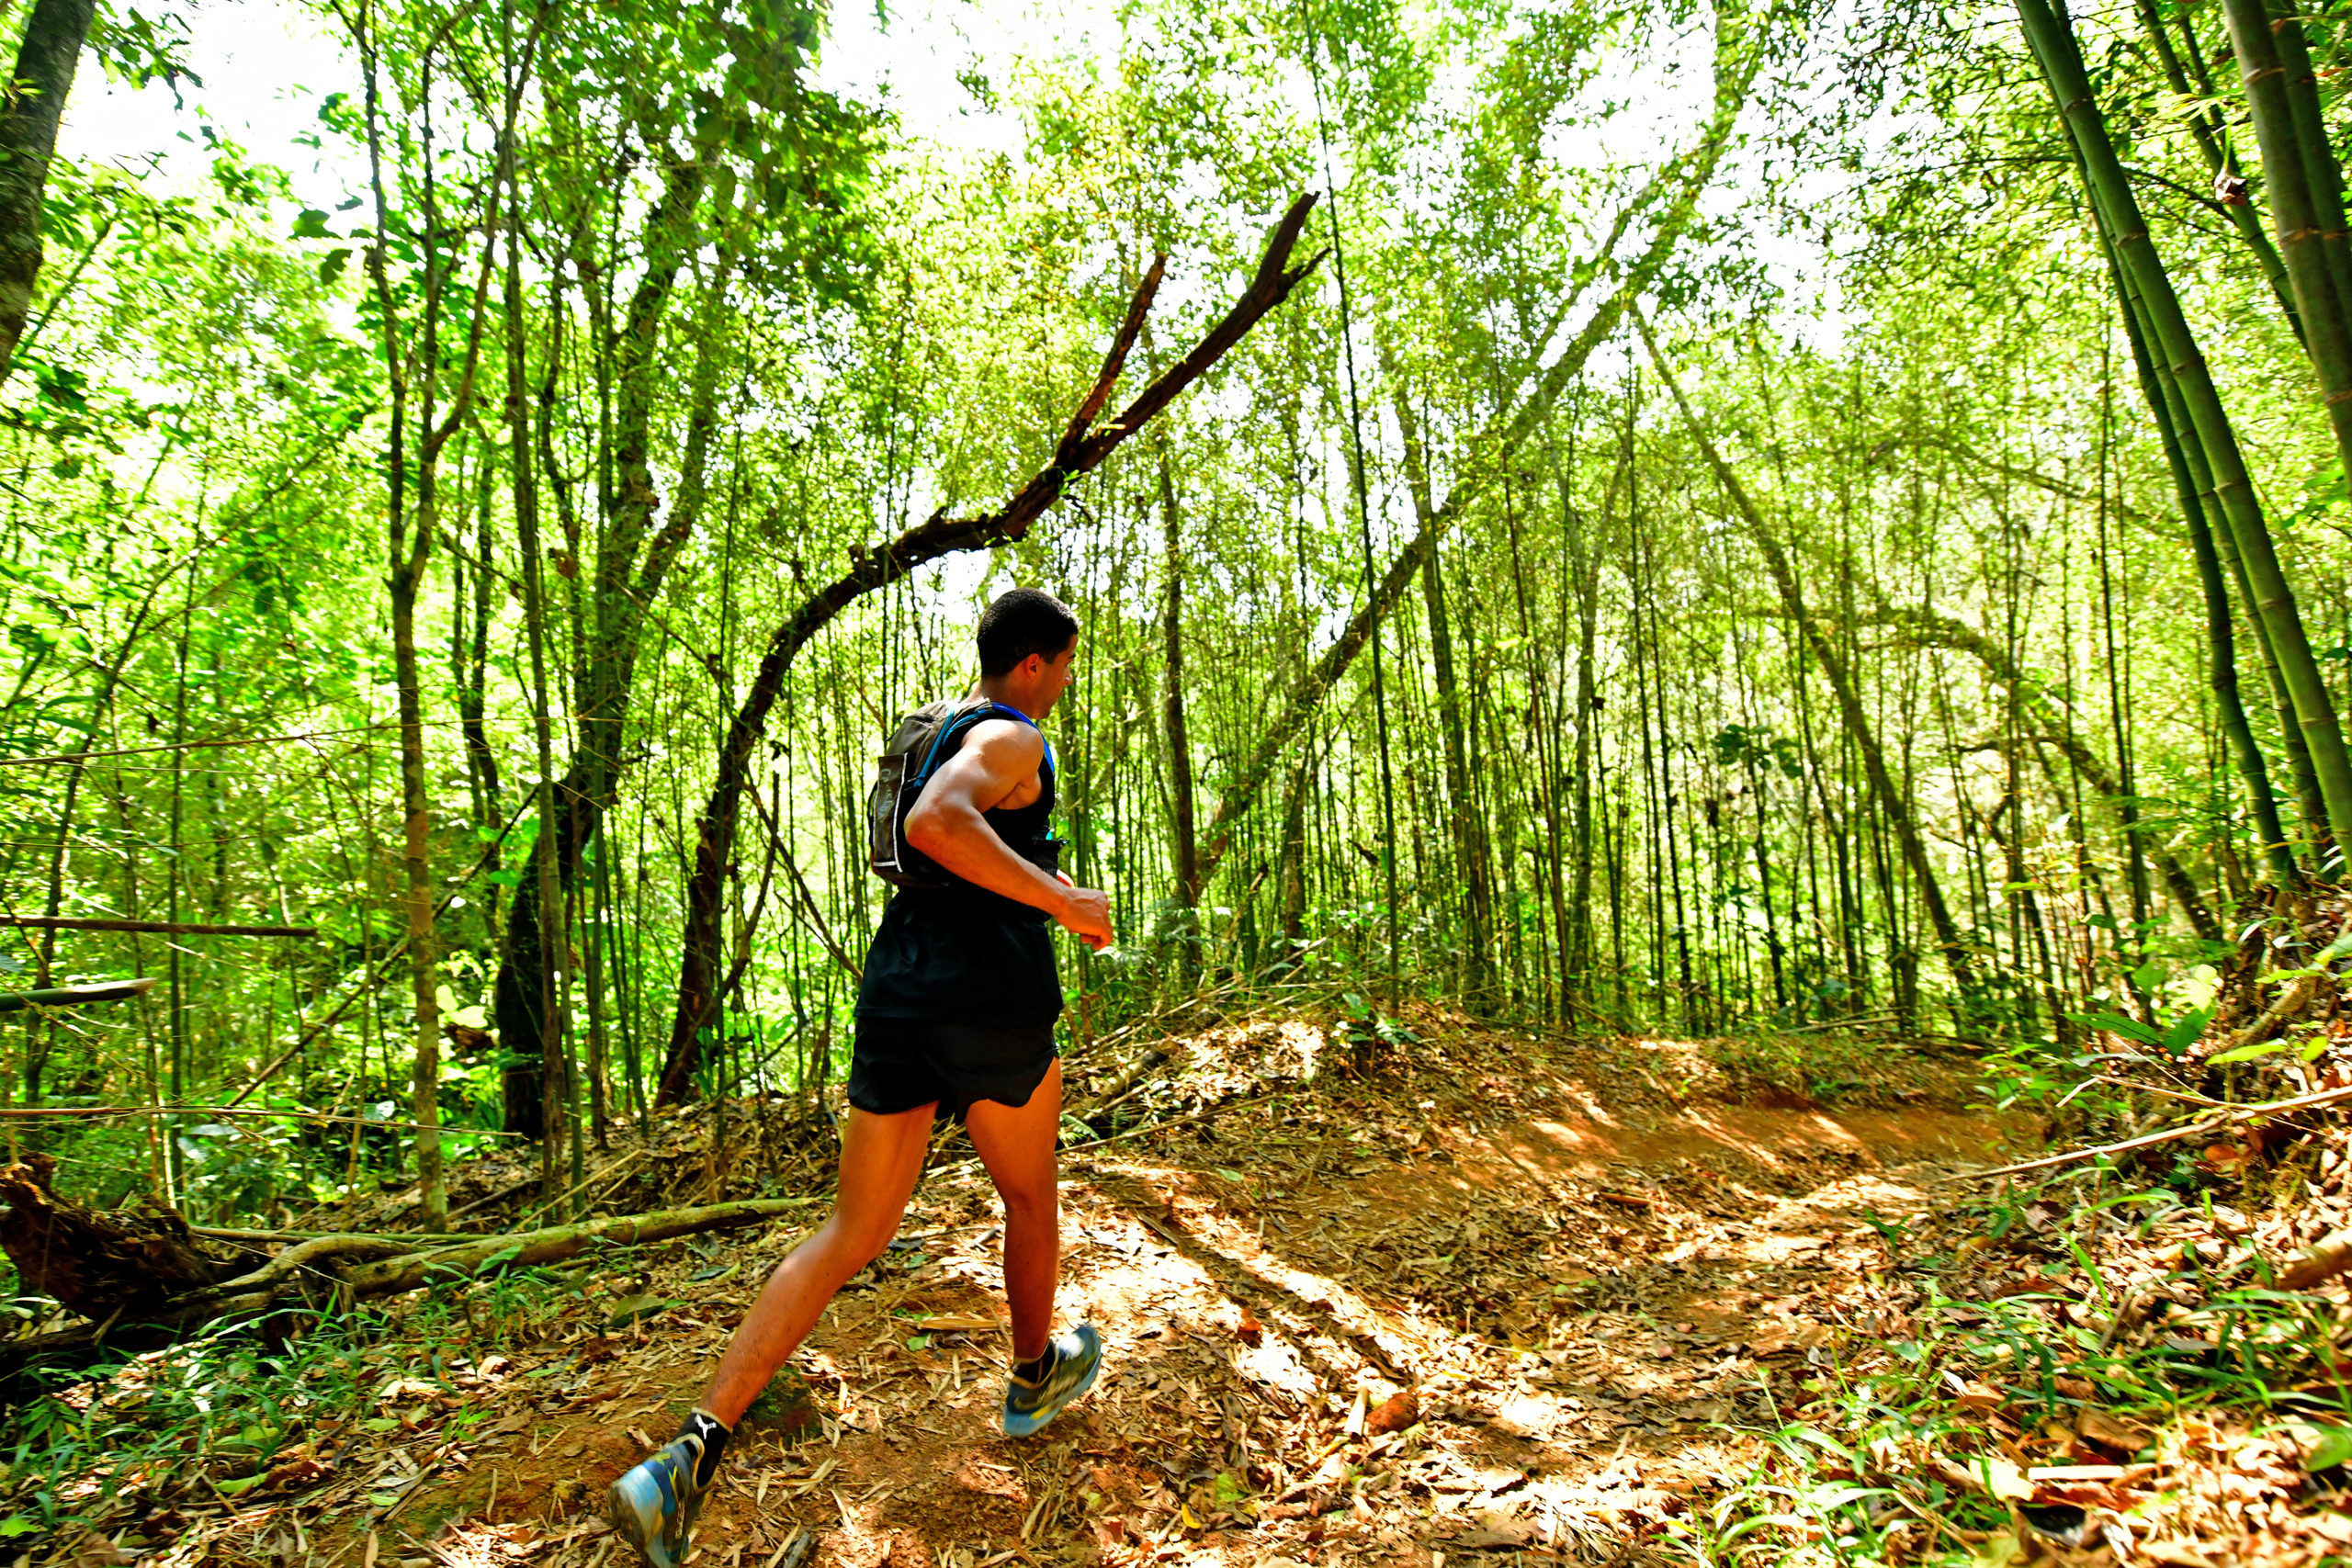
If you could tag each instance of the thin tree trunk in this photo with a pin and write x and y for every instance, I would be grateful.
(2210, 133)
(1469, 852)
(1582, 573)
(2219, 622)
(1179, 748)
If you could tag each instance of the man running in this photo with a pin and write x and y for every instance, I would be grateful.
(956, 1013)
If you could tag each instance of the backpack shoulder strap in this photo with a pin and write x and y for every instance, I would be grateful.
(960, 719)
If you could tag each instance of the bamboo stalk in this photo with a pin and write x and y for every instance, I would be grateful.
(2273, 599)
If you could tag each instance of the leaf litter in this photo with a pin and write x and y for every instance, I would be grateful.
(1500, 1301)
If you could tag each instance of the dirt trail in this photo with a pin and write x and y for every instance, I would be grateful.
(1579, 1296)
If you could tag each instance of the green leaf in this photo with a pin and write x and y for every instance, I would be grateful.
(2335, 1445)
(2185, 1031)
(498, 1260)
(16, 1525)
(380, 1424)
(2115, 1023)
(2247, 1053)
(311, 224)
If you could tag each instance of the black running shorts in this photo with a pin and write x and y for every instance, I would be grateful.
(899, 1064)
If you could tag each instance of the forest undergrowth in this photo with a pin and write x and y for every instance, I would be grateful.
(1468, 1295)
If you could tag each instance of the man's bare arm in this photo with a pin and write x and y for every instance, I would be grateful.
(946, 824)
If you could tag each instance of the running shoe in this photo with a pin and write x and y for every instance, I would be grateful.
(654, 1506)
(1077, 1356)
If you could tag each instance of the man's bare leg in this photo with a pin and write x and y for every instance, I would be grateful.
(654, 1503)
(881, 1159)
(1016, 1144)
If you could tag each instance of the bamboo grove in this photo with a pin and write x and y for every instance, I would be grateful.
(1732, 518)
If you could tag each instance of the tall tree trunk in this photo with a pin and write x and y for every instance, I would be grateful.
(2186, 465)
(2298, 180)
(45, 56)
(2210, 133)
(1588, 700)
(2273, 599)
(410, 525)
(632, 564)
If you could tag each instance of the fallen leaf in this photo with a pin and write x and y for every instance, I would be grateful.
(956, 1323)
(95, 1551)
(2002, 1479)
(1249, 1329)
(2102, 1428)
(1998, 1551)
(303, 1470)
(1109, 1531)
(1396, 1413)
(636, 1309)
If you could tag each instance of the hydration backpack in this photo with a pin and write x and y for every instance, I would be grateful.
(925, 738)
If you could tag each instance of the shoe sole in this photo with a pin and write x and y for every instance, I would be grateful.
(1032, 1424)
(625, 1522)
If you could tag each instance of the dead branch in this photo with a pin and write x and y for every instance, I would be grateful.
(2186, 1130)
(158, 928)
(1082, 448)
(99, 1275)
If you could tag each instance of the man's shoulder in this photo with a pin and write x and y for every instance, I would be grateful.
(1012, 737)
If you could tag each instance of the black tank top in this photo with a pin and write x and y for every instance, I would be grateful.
(963, 955)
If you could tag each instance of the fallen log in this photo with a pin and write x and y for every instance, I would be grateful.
(350, 1267)
(392, 1275)
(1136, 1074)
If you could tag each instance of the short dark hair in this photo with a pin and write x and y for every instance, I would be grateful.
(1020, 622)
